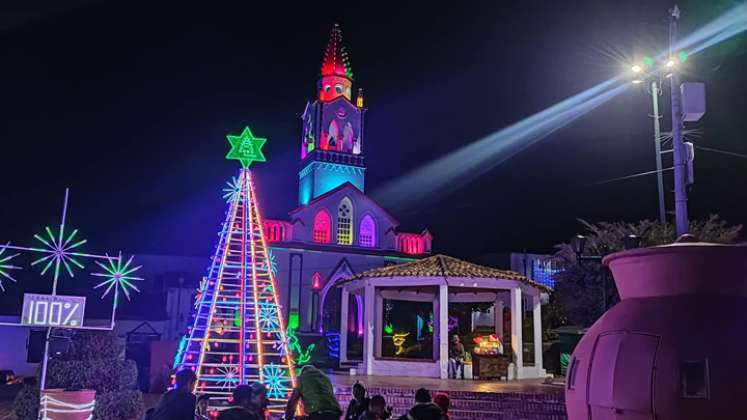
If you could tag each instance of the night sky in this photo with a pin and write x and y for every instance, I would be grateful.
(128, 103)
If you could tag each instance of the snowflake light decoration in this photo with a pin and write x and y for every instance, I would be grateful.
(229, 377)
(268, 317)
(232, 189)
(6, 266)
(60, 251)
(276, 380)
(118, 277)
(200, 292)
(273, 263)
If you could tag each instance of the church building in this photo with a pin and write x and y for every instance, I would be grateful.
(336, 231)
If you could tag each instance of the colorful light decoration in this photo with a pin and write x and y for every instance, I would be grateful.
(276, 380)
(333, 344)
(6, 266)
(238, 334)
(52, 408)
(118, 277)
(301, 356)
(488, 345)
(399, 343)
(63, 251)
(453, 322)
(246, 148)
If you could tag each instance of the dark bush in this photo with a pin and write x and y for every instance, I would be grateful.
(119, 405)
(26, 404)
(94, 361)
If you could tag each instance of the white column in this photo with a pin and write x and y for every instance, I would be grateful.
(498, 313)
(443, 329)
(537, 329)
(344, 304)
(370, 334)
(517, 343)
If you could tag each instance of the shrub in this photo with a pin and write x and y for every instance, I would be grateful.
(121, 405)
(26, 404)
(105, 375)
(94, 361)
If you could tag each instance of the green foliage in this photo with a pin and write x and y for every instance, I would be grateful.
(122, 405)
(580, 287)
(26, 404)
(95, 345)
(94, 361)
(103, 375)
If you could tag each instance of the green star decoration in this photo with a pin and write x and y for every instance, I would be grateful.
(246, 148)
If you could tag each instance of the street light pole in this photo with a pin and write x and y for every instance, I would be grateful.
(657, 145)
(680, 154)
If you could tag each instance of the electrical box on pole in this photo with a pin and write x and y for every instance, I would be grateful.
(690, 174)
(693, 101)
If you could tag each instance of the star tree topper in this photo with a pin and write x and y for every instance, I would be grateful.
(246, 148)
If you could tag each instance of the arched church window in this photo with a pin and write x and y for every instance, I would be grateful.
(345, 222)
(347, 138)
(322, 227)
(332, 136)
(367, 232)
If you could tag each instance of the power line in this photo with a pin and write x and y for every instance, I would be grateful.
(723, 152)
(622, 178)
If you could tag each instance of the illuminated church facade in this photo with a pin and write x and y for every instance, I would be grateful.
(337, 230)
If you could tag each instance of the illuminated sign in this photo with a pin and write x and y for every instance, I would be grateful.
(53, 310)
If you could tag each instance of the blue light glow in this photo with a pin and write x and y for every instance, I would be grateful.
(469, 162)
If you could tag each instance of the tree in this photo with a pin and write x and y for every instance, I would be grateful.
(579, 288)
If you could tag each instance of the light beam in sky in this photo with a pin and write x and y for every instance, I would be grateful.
(459, 168)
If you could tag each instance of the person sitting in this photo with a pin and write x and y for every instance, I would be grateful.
(241, 408)
(456, 357)
(442, 401)
(424, 409)
(315, 391)
(178, 403)
(359, 404)
(377, 410)
(201, 412)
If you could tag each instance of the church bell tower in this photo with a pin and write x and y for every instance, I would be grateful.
(332, 135)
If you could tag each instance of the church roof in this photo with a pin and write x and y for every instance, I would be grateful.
(335, 61)
(443, 266)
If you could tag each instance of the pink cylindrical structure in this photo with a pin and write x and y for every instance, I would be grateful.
(674, 347)
(59, 404)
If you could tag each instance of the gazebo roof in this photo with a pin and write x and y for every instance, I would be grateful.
(442, 266)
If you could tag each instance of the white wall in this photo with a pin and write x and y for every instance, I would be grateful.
(13, 353)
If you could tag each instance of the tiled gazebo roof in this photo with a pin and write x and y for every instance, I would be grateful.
(442, 266)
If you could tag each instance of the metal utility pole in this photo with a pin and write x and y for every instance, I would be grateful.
(657, 144)
(680, 154)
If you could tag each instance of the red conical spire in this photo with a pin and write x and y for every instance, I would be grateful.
(336, 61)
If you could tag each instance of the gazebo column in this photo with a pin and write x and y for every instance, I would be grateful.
(443, 329)
(344, 305)
(537, 330)
(370, 333)
(517, 344)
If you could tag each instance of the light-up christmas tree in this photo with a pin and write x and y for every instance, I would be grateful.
(238, 333)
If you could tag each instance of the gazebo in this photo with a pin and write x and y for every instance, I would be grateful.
(431, 284)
